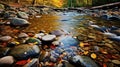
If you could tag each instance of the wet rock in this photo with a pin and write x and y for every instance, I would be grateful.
(84, 61)
(2, 6)
(44, 56)
(95, 26)
(105, 16)
(117, 38)
(57, 32)
(11, 44)
(53, 59)
(69, 41)
(1, 23)
(109, 35)
(81, 38)
(116, 61)
(108, 45)
(56, 43)
(67, 64)
(19, 22)
(4, 52)
(22, 15)
(114, 18)
(24, 51)
(112, 28)
(6, 15)
(42, 31)
(39, 35)
(22, 35)
(91, 37)
(117, 32)
(110, 65)
(48, 37)
(6, 61)
(5, 38)
(34, 41)
(102, 29)
(58, 51)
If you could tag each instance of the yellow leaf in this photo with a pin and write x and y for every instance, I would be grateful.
(36, 43)
(86, 52)
(93, 55)
(17, 43)
(81, 44)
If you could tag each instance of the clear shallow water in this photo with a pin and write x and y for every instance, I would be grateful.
(67, 21)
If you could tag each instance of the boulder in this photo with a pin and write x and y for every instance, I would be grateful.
(24, 51)
(83, 61)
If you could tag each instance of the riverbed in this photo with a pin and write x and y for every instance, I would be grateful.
(67, 21)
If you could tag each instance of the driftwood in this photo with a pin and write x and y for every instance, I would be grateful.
(106, 5)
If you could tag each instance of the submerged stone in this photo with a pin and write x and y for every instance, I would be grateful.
(57, 32)
(117, 38)
(19, 22)
(25, 51)
(69, 41)
(84, 61)
(109, 35)
(117, 32)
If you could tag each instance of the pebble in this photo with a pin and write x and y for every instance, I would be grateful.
(7, 60)
(5, 38)
(22, 35)
(115, 61)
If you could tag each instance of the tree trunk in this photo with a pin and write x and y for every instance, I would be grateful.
(33, 2)
(17, 1)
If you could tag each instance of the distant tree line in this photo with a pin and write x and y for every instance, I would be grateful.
(100, 2)
(78, 3)
(68, 3)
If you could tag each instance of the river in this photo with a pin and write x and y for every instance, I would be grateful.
(67, 21)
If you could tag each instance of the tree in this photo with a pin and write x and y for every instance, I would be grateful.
(17, 1)
(33, 2)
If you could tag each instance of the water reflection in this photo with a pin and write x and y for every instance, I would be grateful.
(45, 22)
(68, 21)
